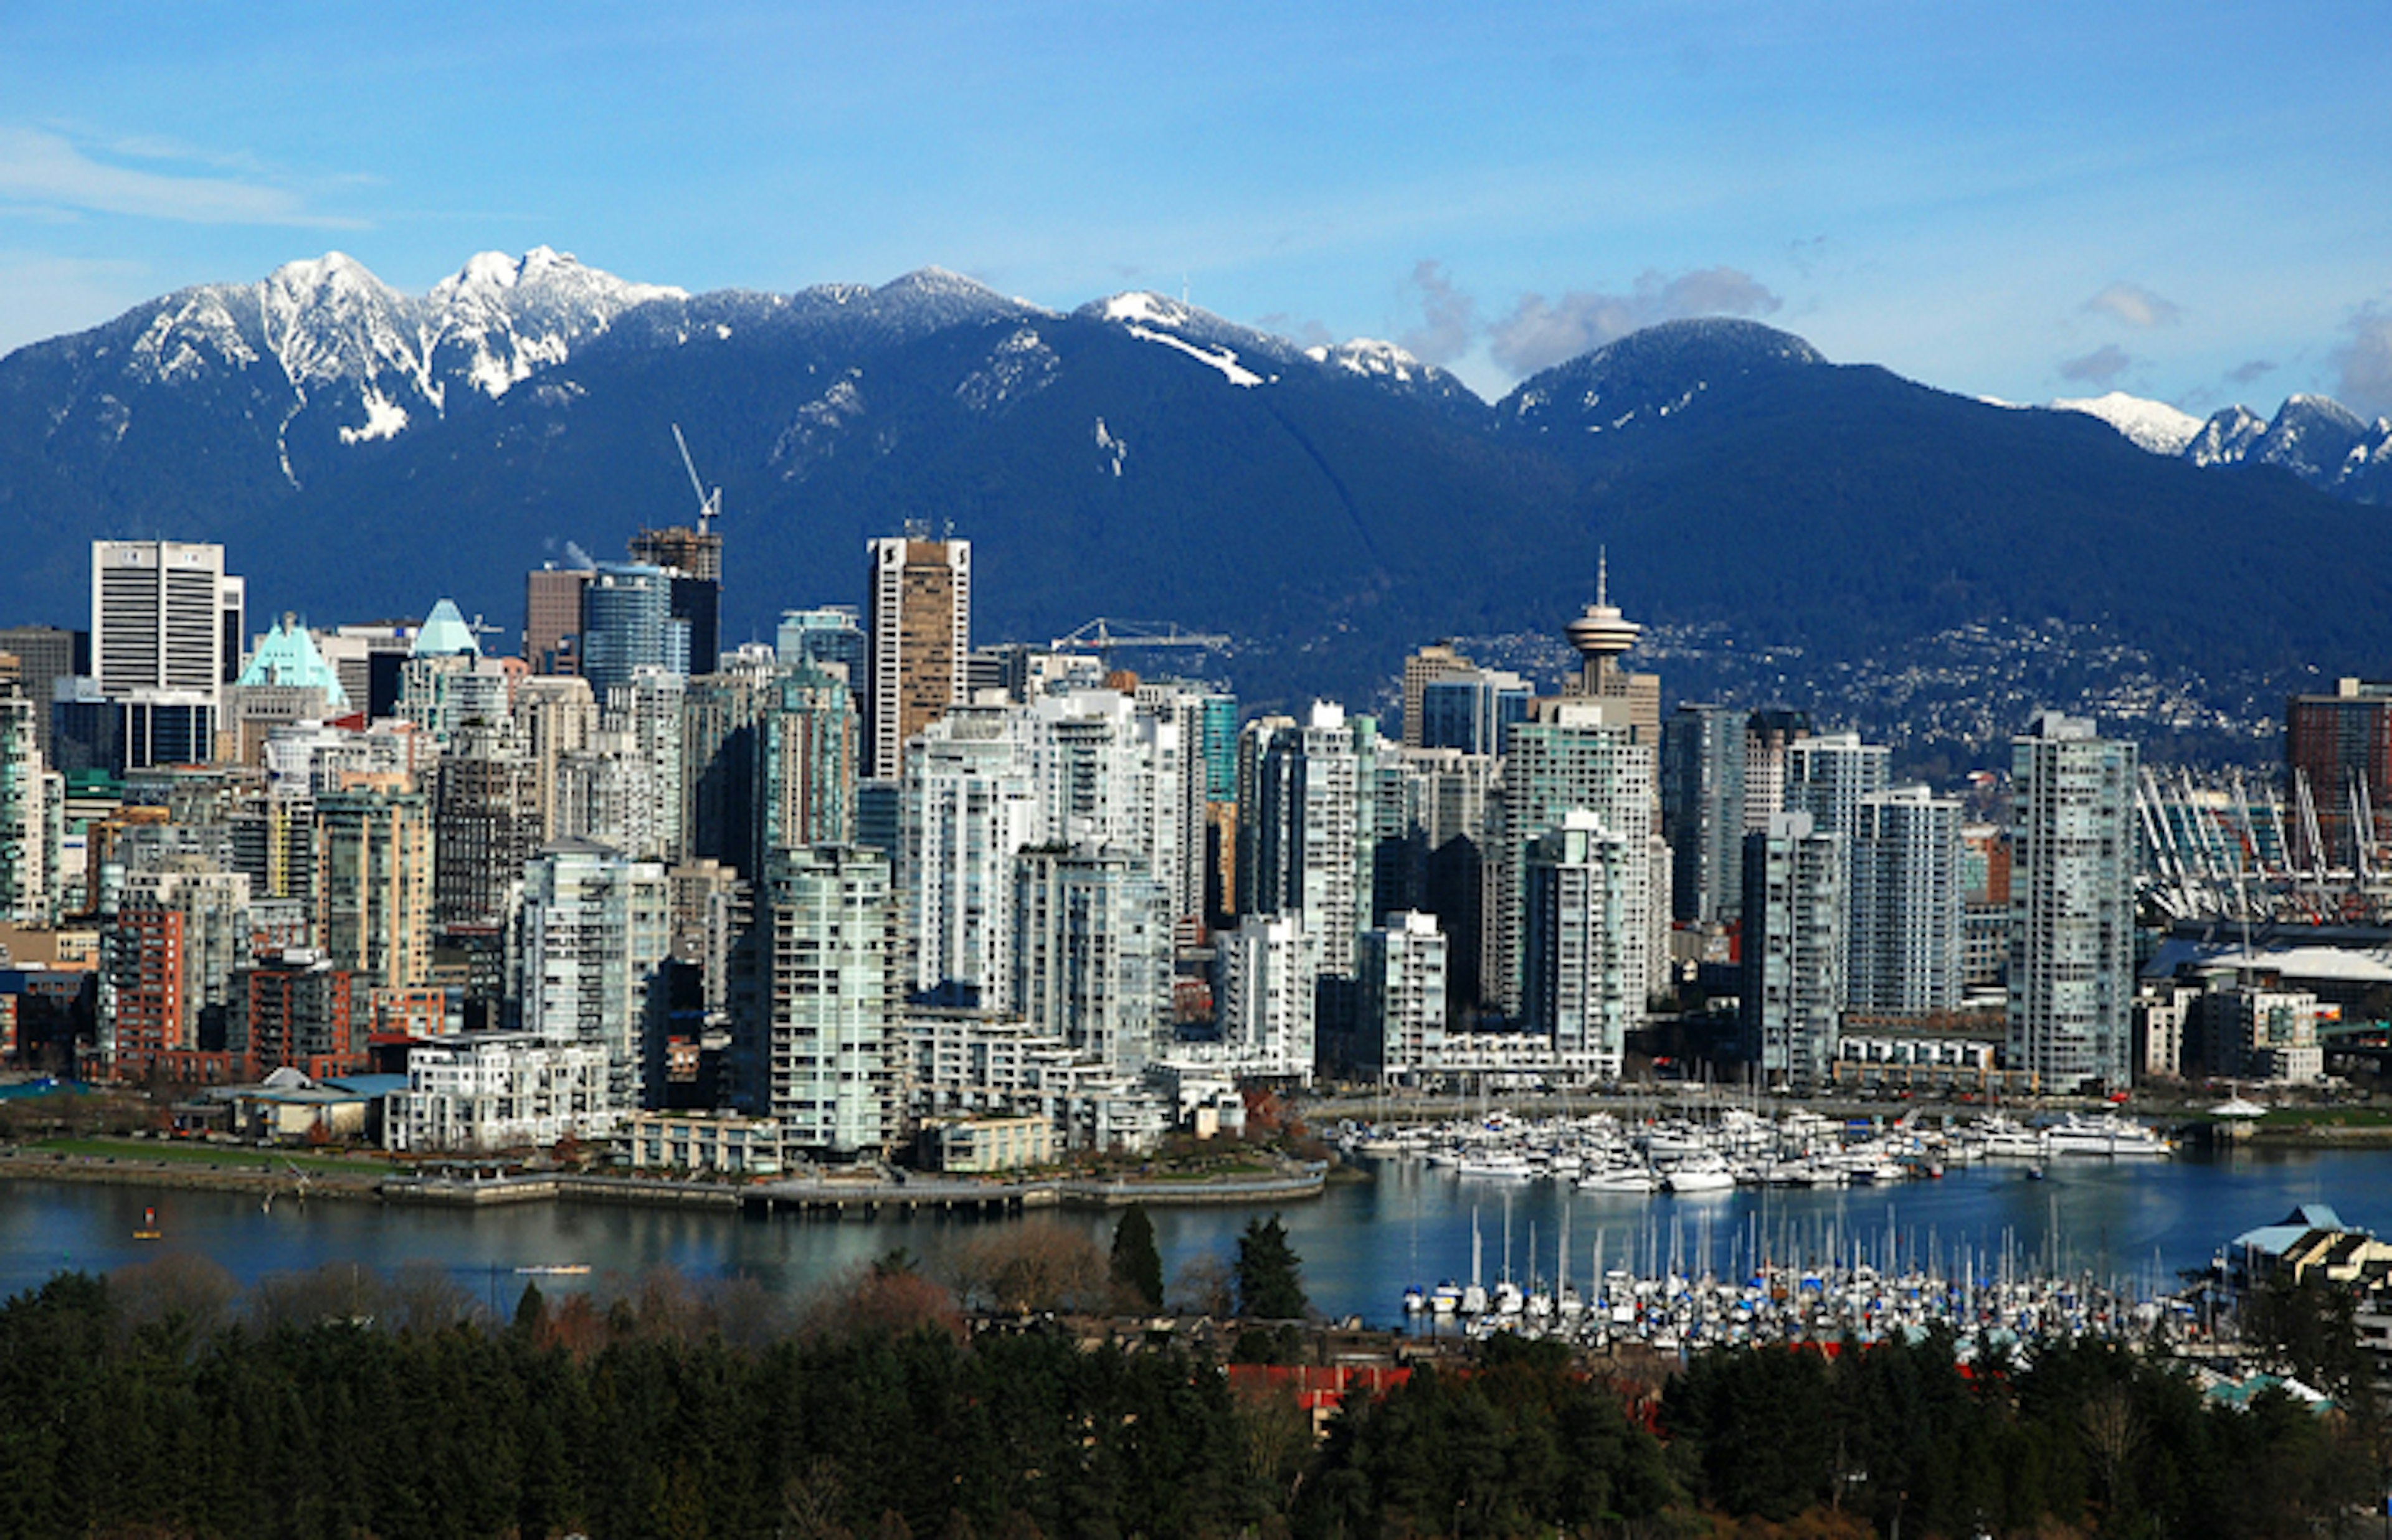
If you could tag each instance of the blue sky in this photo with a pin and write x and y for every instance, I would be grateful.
(2022, 200)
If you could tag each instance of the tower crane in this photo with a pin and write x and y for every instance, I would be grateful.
(710, 504)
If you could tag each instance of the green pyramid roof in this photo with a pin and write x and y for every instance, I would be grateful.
(287, 657)
(444, 634)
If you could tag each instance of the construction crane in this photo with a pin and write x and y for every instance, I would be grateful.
(710, 504)
(1104, 634)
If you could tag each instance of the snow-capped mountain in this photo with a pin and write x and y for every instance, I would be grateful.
(362, 450)
(2315, 438)
(2152, 425)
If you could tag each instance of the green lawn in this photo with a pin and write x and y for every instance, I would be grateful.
(207, 1155)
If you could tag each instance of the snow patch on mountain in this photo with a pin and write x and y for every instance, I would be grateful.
(384, 417)
(2152, 425)
(1224, 360)
(1021, 365)
(1115, 451)
(813, 432)
(1367, 355)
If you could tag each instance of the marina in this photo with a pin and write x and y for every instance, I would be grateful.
(2130, 1221)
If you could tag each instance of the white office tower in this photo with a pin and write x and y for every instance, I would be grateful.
(1270, 966)
(167, 624)
(594, 930)
(25, 872)
(1792, 1000)
(825, 995)
(1312, 824)
(1580, 754)
(1092, 952)
(1827, 777)
(971, 802)
(1401, 995)
(1906, 891)
(1583, 891)
(2072, 905)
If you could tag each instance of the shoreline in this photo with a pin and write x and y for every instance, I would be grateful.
(790, 1195)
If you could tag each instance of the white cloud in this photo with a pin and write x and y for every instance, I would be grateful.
(2365, 363)
(1448, 316)
(50, 170)
(2136, 305)
(1539, 334)
(2100, 366)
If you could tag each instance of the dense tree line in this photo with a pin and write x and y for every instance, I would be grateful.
(159, 1403)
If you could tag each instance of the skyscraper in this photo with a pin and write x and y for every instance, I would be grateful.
(593, 932)
(1703, 811)
(1792, 1000)
(552, 619)
(1580, 753)
(2072, 904)
(1582, 951)
(628, 624)
(693, 560)
(1906, 895)
(167, 624)
(822, 996)
(919, 630)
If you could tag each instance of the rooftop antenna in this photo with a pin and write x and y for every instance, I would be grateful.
(710, 504)
(1602, 571)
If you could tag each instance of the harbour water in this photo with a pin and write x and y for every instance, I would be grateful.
(1361, 1242)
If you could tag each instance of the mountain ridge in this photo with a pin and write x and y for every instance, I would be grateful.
(364, 452)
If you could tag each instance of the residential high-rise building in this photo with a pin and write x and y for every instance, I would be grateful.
(2338, 751)
(1092, 951)
(919, 633)
(1269, 977)
(24, 875)
(593, 932)
(1827, 775)
(1767, 736)
(1703, 802)
(822, 994)
(1309, 824)
(487, 824)
(1906, 890)
(1581, 947)
(719, 713)
(2072, 905)
(805, 764)
(1580, 753)
(830, 634)
(374, 879)
(1790, 1007)
(1400, 996)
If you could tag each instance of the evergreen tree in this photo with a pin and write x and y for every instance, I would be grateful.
(1137, 1265)
(1270, 1275)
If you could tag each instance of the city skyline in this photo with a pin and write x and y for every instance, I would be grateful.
(2039, 203)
